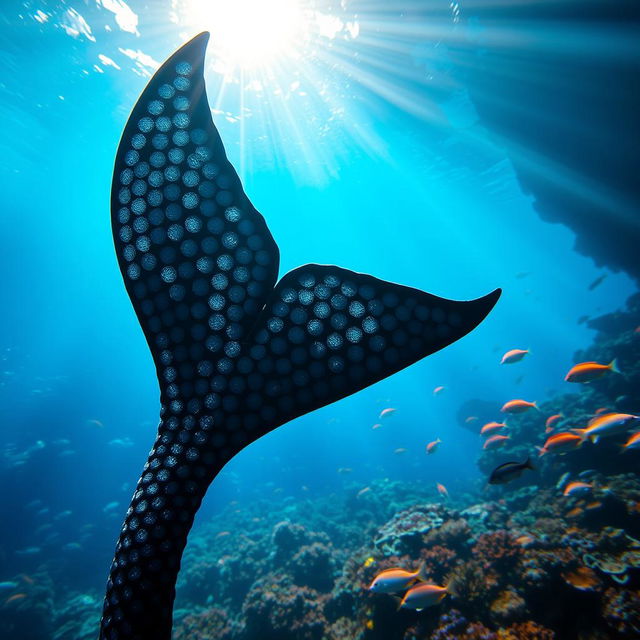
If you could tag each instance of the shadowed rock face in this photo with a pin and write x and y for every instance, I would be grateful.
(568, 110)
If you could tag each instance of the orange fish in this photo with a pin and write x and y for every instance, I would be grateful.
(551, 422)
(423, 596)
(387, 412)
(471, 419)
(438, 390)
(596, 504)
(490, 427)
(577, 488)
(515, 355)
(561, 443)
(15, 597)
(525, 540)
(600, 410)
(395, 580)
(442, 490)
(576, 511)
(608, 424)
(589, 371)
(632, 443)
(495, 441)
(518, 406)
(432, 447)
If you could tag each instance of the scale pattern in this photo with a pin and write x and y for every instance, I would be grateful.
(235, 357)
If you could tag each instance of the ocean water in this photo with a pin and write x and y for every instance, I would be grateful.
(356, 133)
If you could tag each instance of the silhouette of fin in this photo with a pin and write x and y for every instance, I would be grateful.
(197, 258)
(235, 357)
(327, 332)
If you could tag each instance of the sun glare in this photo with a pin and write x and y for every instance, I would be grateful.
(252, 33)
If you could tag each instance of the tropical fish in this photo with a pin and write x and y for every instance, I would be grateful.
(376, 426)
(561, 443)
(368, 562)
(395, 580)
(589, 371)
(95, 423)
(438, 390)
(15, 597)
(492, 427)
(609, 424)
(518, 406)
(389, 411)
(509, 471)
(495, 441)
(363, 491)
(470, 419)
(551, 422)
(8, 585)
(577, 488)
(563, 480)
(423, 595)
(513, 356)
(28, 551)
(242, 347)
(597, 282)
(525, 540)
(601, 410)
(632, 443)
(432, 447)
(442, 490)
(400, 450)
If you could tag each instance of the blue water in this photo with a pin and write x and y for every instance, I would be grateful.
(382, 172)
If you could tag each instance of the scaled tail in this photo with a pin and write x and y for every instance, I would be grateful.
(236, 354)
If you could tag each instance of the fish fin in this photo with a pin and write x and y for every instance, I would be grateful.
(541, 451)
(310, 363)
(451, 588)
(174, 303)
(423, 575)
(535, 406)
(211, 327)
(595, 439)
(398, 601)
(528, 464)
(581, 433)
(613, 365)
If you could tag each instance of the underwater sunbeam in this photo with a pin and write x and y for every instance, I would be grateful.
(252, 33)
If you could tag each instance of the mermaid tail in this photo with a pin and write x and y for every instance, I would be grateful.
(236, 355)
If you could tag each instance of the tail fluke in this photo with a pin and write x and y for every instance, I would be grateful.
(236, 355)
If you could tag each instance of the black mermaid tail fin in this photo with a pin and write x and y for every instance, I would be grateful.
(235, 356)
(327, 332)
(197, 258)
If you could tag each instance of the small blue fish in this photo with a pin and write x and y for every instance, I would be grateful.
(7, 585)
(29, 551)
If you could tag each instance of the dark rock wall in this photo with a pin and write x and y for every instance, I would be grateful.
(565, 103)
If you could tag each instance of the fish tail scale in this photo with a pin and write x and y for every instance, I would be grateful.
(141, 587)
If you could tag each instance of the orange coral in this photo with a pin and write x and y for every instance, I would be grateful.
(582, 578)
(526, 631)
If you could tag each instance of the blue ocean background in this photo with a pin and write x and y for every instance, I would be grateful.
(394, 175)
